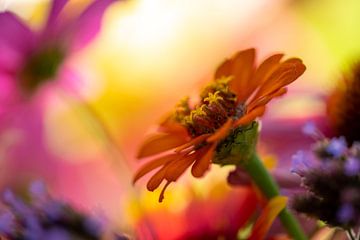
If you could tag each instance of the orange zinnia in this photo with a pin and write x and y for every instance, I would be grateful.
(237, 97)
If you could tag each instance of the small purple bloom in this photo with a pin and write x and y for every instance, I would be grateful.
(57, 234)
(352, 166)
(53, 209)
(345, 213)
(38, 190)
(49, 220)
(300, 163)
(93, 226)
(310, 129)
(7, 224)
(337, 147)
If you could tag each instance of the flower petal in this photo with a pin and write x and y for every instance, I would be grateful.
(156, 179)
(266, 67)
(202, 165)
(88, 24)
(15, 34)
(161, 197)
(267, 217)
(193, 142)
(177, 168)
(249, 117)
(243, 70)
(159, 143)
(225, 69)
(285, 73)
(170, 126)
(55, 9)
(153, 164)
(264, 100)
(222, 132)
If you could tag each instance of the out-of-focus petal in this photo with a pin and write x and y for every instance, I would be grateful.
(84, 28)
(202, 164)
(10, 58)
(55, 9)
(159, 143)
(267, 217)
(15, 34)
(8, 93)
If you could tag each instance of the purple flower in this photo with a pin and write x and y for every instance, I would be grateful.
(30, 58)
(352, 166)
(310, 129)
(345, 213)
(337, 147)
(46, 218)
(7, 223)
(300, 163)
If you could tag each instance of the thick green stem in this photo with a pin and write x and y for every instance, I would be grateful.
(269, 188)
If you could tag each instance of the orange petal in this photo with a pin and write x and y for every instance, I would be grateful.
(249, 117)
(264, 100)
(159, 143)
(156, 180)
(175, 169)
(168, 125)
(153, 164)
(284, 74)
(267, 217)
(193, 142)
(202, 165)
(266, 67)
(221, 132)
(225, 69)
(161, 197)
(243, 70)
(262, 72)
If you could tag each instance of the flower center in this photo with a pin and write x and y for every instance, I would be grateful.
(41, 66)
(217, 104)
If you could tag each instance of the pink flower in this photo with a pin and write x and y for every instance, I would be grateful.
(30, 58)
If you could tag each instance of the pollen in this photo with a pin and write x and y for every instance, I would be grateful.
(217, 104)
(213, 98)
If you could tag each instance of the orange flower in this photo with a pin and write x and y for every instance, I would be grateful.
(237, 97)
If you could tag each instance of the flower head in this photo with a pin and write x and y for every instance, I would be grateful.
(30, 58)
(343, 106)
(227, 108)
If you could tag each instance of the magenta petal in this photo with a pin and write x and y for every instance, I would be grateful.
(10, 58)
(55, 9)
(8, 93)
(88, 24)
(14, 33)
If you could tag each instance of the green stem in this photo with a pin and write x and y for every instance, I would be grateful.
(269, 188)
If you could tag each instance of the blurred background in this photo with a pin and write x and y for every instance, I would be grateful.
(149, 54)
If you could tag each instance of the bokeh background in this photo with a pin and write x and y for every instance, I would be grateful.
(149, 54)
